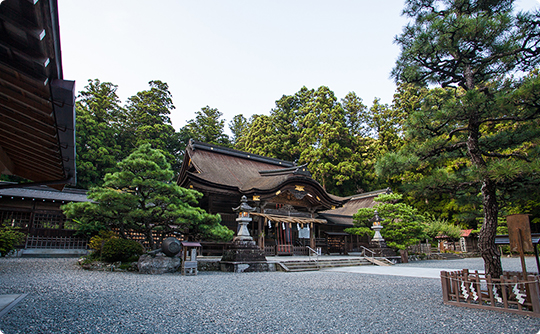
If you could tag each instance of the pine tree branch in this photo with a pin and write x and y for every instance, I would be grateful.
(499, 155)
(514, 119)
(443, 149)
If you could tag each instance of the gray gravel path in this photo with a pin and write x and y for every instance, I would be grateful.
(65, 299)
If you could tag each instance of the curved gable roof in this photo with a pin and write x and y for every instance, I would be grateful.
(246, 173)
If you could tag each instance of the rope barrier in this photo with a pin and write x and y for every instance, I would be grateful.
(503, 283)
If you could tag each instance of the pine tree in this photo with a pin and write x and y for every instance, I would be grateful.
(478, 129)
(141, 197)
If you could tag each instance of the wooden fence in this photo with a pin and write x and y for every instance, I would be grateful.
(56, 242)
(274, 250)
(424, 248)
(511, 293)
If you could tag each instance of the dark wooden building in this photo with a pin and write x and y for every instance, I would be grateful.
(292, 209)
(36, 212)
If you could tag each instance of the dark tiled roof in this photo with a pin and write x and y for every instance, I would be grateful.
(46, 193)
(344, 214)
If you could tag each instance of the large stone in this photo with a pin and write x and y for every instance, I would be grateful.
(158, 264)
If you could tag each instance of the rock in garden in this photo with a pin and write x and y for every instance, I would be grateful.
(158, 264)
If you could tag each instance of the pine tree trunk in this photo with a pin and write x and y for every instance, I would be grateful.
(150, 239)
(488, 249)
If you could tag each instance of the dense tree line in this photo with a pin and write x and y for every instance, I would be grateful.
(460, 139)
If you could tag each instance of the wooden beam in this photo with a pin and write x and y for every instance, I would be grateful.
(23, 111)
(20, 99)
(26, 116)
(6, 165)
(39, 91)
(25, 147)
(10, 120)
(38, 80)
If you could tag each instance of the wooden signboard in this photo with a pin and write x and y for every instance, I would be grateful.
(519, 224)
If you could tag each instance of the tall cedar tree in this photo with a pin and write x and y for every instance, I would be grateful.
(313, 127)
(146, 120)
(207, 127)
(98, 109)
(470, 47)
(141, 197)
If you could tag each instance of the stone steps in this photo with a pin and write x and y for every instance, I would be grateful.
(296, 266)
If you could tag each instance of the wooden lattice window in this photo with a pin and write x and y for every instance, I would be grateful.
(48, 220)
(18, 219)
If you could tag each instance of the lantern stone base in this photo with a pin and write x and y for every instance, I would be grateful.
(246, 267)
(244, 256)
(380, 248)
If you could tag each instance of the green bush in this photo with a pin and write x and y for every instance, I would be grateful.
(97, 241)
(121, 250)
(9, 238)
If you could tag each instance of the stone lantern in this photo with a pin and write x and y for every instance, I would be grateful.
(243, 255)
(377, 243)
(377, 227)
(243, 220)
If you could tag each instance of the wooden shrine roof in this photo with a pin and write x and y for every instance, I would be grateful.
(344, 215)
(237, 172)
(37, 107)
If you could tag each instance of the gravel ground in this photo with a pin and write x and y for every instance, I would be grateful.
(65, 299)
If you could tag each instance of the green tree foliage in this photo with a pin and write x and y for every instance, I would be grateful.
(141, 197)
(385, 123)
(480, 129)
(107, 132)
(207, 127)
(9, 238)
(403, 224)
(146, 120)
(436, 226)
(313, 127)
(238, 126)
(97, 109)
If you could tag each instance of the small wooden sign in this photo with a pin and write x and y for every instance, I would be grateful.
(519, 224)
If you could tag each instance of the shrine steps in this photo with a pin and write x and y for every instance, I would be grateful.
(312, 265)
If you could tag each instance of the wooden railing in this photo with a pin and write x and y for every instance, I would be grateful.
(285, 250)
(510, 293)
(56, 242)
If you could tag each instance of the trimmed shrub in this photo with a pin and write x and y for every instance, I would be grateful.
(121, 250)
(97, 241)
(9, 238)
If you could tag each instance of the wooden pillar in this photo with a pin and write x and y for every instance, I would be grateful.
(261, 232)
(312, 235)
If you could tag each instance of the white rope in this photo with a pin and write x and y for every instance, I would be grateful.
(501, 283)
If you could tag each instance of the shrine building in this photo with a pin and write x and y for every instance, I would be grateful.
(293, 210)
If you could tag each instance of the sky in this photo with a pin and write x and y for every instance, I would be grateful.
(238, 56)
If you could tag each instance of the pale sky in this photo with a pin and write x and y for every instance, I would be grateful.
(238, 56)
